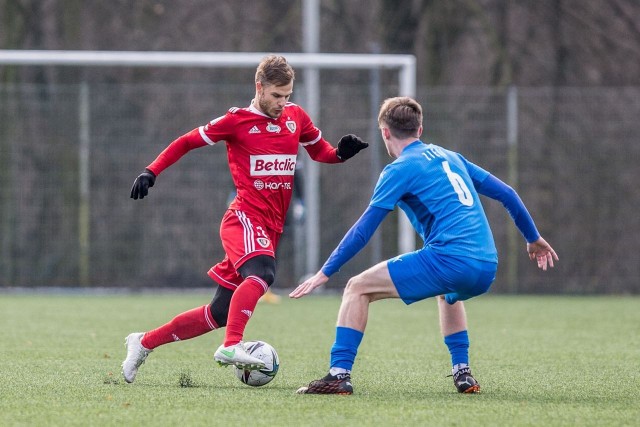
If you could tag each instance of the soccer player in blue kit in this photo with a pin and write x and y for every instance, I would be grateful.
(438, 190)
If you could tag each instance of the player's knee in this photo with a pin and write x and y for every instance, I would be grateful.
(267, 272)
(355, 286)
(261, 266)
(269, 276)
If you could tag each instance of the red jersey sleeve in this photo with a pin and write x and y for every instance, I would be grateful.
(209, 134)
(322, 151)
(311, 139)
(176, 150)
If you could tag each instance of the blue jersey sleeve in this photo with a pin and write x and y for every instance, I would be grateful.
(476, 173)
(494, 188)
(355, 239)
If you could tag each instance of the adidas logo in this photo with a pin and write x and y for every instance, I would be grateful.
(254, 130)
(175, 337)
(247, 312)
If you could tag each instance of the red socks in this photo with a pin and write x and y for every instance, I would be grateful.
(198, 321)
(187, 325)
(243, 302)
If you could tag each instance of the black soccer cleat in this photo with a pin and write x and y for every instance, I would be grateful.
(464, 381)
(330, 384)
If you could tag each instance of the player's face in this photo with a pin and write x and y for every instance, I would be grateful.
(271, 98)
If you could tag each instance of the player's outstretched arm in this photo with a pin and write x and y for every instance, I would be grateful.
(352, 242)
(142, 183)
(542, 252)
(309, 285)
(174, 151)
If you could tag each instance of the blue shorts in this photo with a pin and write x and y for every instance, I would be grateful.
(424, 273)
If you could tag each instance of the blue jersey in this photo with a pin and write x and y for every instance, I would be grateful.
(436, 189)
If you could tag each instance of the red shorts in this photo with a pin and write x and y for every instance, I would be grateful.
(242, 239)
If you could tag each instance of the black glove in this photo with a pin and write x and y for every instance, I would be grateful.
(349, 146)
(142, 183)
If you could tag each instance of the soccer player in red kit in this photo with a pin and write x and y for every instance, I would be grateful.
(262, 143)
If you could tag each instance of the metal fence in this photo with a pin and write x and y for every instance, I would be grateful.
(572, 154)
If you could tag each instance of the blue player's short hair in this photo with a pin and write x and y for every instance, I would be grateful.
(402, 115)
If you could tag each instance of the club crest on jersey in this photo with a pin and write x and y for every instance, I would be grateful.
(291, 125)
(273, 128)
(263, 241)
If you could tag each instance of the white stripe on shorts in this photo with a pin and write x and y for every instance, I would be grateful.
(249, 241)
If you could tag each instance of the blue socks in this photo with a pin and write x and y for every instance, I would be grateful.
(458, 345)
(343, 352)
(345, 347)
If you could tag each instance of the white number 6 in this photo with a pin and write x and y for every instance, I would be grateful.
(464, 195)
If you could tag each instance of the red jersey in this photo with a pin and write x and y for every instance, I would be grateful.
(262, 154)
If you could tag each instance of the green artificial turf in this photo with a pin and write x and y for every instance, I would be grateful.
(541, 361)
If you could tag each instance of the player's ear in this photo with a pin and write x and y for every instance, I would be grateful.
(258, 86)
(386, 133)
(420, 131)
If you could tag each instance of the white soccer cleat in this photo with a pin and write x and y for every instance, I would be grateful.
(136, 355)
(237, 356)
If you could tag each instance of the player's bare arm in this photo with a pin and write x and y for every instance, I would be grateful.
(542, 252)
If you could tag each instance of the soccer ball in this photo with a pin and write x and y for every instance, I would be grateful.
(268, 355)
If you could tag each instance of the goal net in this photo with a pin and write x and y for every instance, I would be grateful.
(83, 253)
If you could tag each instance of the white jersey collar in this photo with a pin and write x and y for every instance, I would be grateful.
(254, 110)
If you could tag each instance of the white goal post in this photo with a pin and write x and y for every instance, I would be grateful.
(405, 64)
